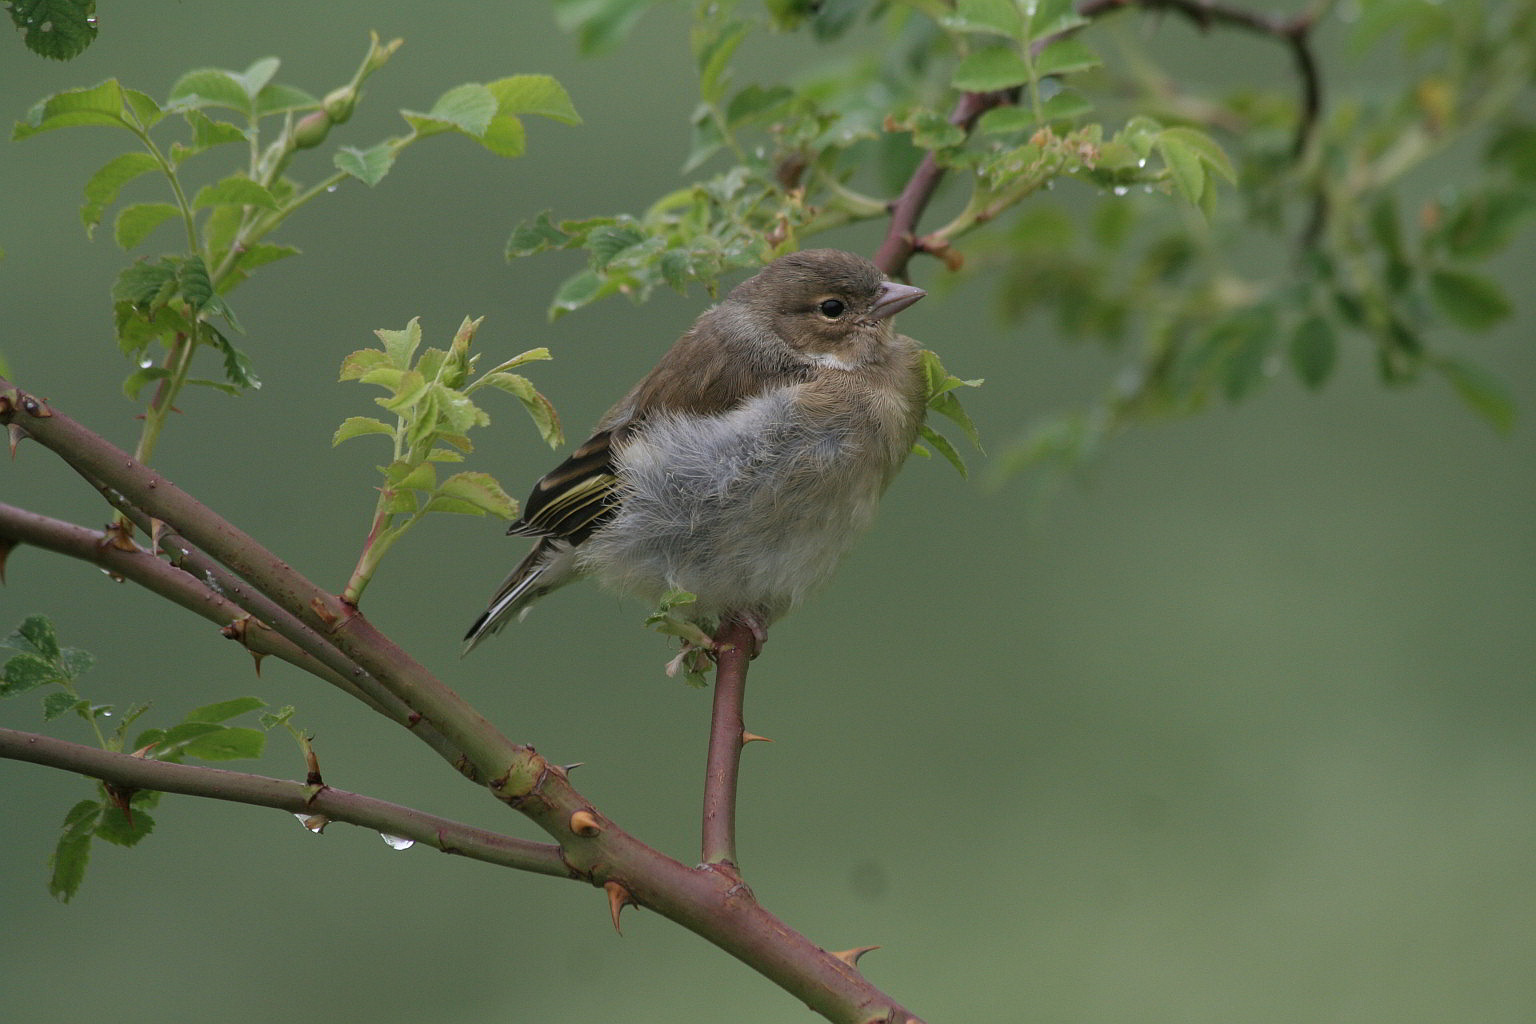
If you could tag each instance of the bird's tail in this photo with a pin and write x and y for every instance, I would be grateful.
(548, 565)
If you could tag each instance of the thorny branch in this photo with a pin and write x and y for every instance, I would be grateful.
(902, 241)
(712, 903)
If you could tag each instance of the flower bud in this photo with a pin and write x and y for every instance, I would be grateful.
(311, 130)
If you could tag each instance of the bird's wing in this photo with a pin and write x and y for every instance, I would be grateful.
(576, 497)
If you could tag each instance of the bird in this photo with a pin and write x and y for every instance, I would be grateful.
(744, 465)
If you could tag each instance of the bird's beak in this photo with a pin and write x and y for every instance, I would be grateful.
(894, 298)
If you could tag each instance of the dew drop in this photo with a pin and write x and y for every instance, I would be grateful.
(313, 822)
(330, 188)
(397, 842)
(1122, 190)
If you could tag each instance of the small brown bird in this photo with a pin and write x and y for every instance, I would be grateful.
(745, 464)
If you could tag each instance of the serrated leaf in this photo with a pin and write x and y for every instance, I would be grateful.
(528, 238)
(481, 491)
(115, 827)
(101, 104)
(72, 854)
(235, 189)
(366, 165)
(1065, 56)
(102, 189)
(276, 98)
(1005, 119)
(1469, 300)
(206, 133)
(1204, 147)
(1484, 391)
(135, 381)
(1065, 106)
(996, 67)
(135, 222)
(1184, 167)
(224, 709)
(1049, 18)
(363, 362)
(227, 744)
(404, 476)
(466, 108)
(944, 448)
(210, 87)
(1314, 351)
(56, 29)
(27, 671)
(237, 368)
(505, 137)
(255, 78)
(58, 704)
(993, 17)
(401, 345)
(533, 94)
(38, 636)
(357, 426)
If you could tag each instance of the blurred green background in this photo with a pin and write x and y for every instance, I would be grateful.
(1242, 728)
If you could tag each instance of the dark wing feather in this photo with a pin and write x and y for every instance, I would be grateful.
(574, 498)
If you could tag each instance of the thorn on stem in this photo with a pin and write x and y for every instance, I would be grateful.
(584, 823)
(752, 737)
(852, 956)
(618, 899)
(17, 435)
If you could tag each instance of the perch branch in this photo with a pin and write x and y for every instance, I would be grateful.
(735, 644)
(711, 903)
(131, 772)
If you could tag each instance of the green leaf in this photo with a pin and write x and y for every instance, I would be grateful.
(754, 101)
(102, 104)
(60, 703)
(999, 120)
(1314, 351)
(276, 98)
(1065, 56)
(224, 709)
(210, 87)
(1469, 300)
(539, 408)
(481, 492)
(466, 108)
(73, 852)
(37, 635)
(1204, 147)
(366, 165)
(135, 222)
(1484, 391)
(135, 381)
(1065, 106)
(102, 189)
(944, 448)
(529, 238)
(56, 29)
(1184, 166)
(993, 17)
(227, 744)
(255, 78)
(599, 25)
(115, 827)
(206, 133)
(237, 190)
(533, 94)
(27, 672)
(357, 426)
(505, 137)
(401, 345)
(1049, 18)
(996, 67)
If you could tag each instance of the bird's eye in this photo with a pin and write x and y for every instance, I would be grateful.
(831, 308)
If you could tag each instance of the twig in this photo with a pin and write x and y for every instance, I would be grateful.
(900, 240)
(131, 772)
(187, 589)
(726, 737)
(711, 903)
